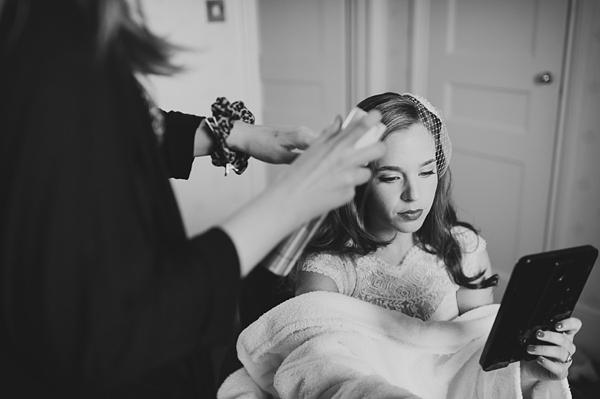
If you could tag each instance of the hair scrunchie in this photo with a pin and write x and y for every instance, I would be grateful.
(221, 123)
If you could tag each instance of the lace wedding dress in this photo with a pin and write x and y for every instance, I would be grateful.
(419, 286)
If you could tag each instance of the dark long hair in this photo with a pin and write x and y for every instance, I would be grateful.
(115, 27)
(343, 232)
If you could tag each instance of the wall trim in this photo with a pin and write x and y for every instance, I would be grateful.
(358, 50)
(419, 63)
(363, 71)
(249, 36)
(551, 235)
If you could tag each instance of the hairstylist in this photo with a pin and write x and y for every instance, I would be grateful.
(101, 292)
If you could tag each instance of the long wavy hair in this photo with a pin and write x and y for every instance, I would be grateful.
(343, 231)
(115, 27)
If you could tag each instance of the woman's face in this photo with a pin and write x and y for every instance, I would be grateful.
(403, 185)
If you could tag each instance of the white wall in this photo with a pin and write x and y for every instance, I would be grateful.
(221, 59)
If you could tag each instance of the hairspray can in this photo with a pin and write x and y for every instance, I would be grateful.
(282, 259)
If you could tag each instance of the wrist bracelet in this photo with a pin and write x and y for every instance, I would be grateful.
(220, 124)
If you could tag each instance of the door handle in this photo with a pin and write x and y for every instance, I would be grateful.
(544, 78)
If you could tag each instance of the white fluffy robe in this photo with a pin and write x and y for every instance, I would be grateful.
(326, 345)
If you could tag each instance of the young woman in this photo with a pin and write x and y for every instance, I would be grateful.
(399, 244)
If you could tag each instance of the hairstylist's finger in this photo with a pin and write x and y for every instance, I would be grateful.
(367, 154)
(302, 137)
(355, 130)
(362, 175)
(350, 179)
(333, 127)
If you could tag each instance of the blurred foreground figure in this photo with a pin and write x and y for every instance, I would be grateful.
(102, 294)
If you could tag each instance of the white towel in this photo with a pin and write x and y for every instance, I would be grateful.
(326, 345)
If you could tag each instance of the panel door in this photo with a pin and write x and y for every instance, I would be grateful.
(486, 61)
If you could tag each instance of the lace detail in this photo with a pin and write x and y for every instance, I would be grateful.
(471, 244)
(417, 287)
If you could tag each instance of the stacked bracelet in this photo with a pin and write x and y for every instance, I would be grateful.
(221, 123)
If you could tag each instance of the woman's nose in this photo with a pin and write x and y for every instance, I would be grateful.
(411, 192)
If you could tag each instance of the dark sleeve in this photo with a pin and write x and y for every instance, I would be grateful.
(99, 282)
(178, 143)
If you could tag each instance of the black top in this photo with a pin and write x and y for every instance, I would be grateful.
(102, 294)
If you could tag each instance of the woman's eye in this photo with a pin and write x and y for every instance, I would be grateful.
(388, 179)
(428, 173)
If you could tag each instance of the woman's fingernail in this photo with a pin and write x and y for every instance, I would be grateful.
(559, 326)
(540, 359)
(540, 334)
(531, 348)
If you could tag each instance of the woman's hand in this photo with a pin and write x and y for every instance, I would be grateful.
(270, 144)
(553, 360)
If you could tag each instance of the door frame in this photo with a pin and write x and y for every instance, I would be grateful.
(247, 31)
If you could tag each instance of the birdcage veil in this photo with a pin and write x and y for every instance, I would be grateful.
(431, 118)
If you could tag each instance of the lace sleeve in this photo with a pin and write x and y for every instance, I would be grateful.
(333, 267)
(472, 245)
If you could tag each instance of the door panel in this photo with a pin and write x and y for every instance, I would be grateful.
(484, 58)
(303, 63)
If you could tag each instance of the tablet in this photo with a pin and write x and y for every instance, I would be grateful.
(543, 289)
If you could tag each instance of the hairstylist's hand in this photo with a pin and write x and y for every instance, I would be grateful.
(324, 177)
(554, 359)
(270, 144)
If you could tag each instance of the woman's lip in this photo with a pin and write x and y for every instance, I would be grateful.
(411, 215)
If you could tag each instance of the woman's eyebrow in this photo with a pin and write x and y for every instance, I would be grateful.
(398, 169)
(388, 168)
(428, 162)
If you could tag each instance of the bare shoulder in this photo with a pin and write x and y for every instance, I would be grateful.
(322, 272)
(468, 299)
(484, 264)
(310, 281)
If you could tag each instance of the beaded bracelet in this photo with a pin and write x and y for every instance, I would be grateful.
(221, 123)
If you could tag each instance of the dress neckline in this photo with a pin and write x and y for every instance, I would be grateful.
(405, 260)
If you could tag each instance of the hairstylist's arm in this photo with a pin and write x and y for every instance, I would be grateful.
(266, 143)
(187, 136)
(321, 179)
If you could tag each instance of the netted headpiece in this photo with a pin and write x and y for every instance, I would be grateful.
(431, 118)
